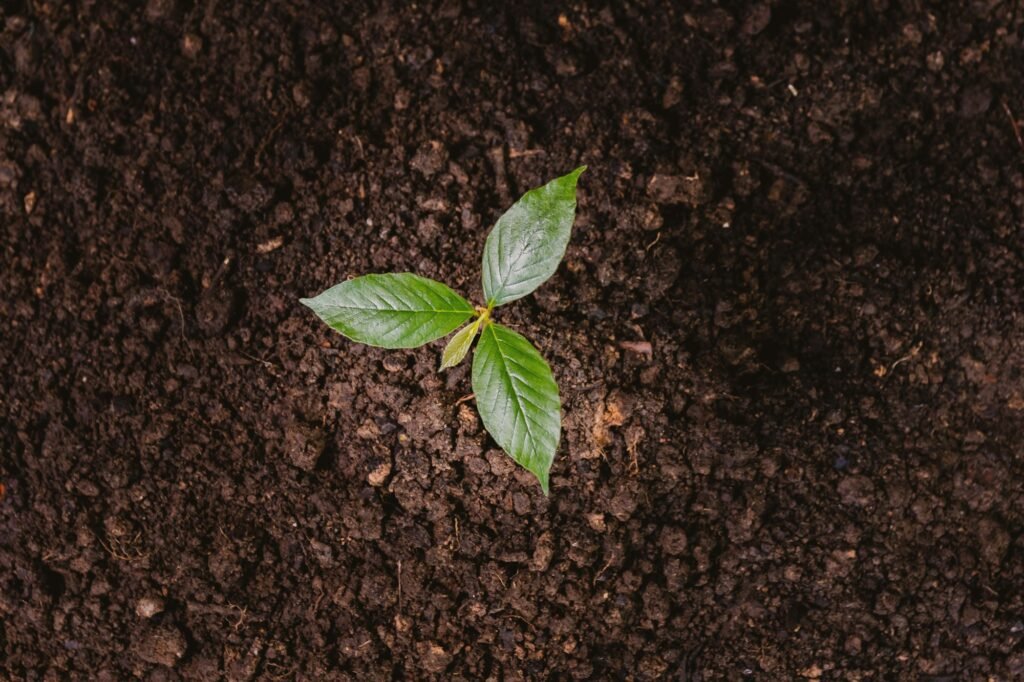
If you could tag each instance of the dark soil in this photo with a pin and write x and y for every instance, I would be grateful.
(812, 212)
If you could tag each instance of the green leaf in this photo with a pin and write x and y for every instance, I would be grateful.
(457, 348)
(400, 310)
(528, 242)
(518, 399)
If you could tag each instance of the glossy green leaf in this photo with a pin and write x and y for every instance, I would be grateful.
(400, 310)
(528, 242)
(518, 399)
(459, 345)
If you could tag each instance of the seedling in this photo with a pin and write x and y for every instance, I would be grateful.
(515, 392)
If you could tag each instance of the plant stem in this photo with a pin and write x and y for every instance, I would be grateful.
(485, 315)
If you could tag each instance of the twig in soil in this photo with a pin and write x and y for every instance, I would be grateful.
(399, 587)
(1013, 122)
(266, 139)
(287, 674)
(639, 347)
(266, 363)
(909, 356)
(634, 463)
(229, 611)
(359, 143)
(181, 316)
(270, 245)
(656, 240)
(525, 622)
(454, 541)
(316, 604)
(516, 153)
(632, 447)
(465, 398)
(601, 572)
(118, 549)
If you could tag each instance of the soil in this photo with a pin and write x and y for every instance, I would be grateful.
(788, 334)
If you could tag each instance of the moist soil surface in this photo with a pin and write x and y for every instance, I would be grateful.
(788, 334)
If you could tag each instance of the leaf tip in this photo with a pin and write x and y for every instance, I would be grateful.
(543, 478)
(574, 176)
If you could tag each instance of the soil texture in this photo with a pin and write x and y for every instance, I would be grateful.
(788, 334)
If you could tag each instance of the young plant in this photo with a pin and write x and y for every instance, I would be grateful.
(516, 395)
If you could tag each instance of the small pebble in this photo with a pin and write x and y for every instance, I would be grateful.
(379, 474)
(191, 45)
(394, 362)
(147, 607)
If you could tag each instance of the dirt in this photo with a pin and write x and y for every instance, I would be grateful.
(788, 335)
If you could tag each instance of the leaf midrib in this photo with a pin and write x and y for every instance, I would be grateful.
(515, 394)
(505, 274)
(400, 310)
